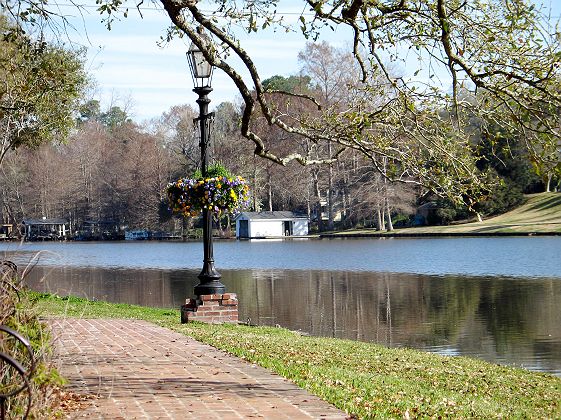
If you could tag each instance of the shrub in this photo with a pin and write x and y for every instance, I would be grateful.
(16, 313)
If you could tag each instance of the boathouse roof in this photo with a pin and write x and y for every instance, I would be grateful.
(45, 221)
(271, 215)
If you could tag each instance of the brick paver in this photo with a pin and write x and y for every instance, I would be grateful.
(142, 371)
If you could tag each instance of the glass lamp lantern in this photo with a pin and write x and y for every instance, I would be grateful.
(201, 69)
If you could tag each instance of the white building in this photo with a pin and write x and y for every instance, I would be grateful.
(270, 224)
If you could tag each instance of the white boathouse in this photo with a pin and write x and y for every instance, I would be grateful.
(266, 224)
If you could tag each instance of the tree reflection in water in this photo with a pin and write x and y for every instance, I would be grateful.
(502, 320)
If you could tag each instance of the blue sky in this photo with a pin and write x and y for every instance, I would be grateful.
(130, 69)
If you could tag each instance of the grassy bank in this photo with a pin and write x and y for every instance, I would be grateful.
(363, 379)
(540, 214)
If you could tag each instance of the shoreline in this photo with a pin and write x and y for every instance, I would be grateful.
(432, 234)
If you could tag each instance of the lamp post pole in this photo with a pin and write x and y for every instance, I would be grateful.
(209, 278)
(211, 303)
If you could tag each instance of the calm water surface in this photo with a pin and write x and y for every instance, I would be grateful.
(519, 256)
(498, 299)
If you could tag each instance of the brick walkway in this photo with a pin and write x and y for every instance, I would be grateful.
(142, 371)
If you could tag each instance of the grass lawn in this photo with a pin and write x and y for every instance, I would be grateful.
(363, 379)
(540, 214)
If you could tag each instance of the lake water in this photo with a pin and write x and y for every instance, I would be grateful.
(498, 299)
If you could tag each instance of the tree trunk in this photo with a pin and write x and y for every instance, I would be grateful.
(317, 193)
(270, 191)
(218, 222)
(389, 216)
(344, 210)
(254, 186)
(548, 182)
(228, 228)
(330, 216)
(386, 202)
(184, 229)
(309, 203)
(380, 220)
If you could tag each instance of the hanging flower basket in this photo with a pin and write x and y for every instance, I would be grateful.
(220, 194)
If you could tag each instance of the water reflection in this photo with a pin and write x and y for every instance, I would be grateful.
(502, 320)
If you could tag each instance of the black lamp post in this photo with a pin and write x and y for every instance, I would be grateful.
(201, 70)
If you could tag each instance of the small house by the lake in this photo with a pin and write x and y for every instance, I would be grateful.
(424, 213)
(102, 229)
(270, 224)
(45, 229)
(6, 230)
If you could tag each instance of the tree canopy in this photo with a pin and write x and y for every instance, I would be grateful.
(502, 52)
(40, 85)
(500, 59)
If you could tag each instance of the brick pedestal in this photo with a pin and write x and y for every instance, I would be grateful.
(212, 309)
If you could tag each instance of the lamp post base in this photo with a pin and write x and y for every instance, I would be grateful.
(209, 287)
(209, 281)
(211, 309)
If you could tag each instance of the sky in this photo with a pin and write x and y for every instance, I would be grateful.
(132, 71)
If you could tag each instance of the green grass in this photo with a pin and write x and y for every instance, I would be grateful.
(363, 379)
(541, 213)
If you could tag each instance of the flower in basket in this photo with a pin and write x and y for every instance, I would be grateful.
(221, 193)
